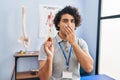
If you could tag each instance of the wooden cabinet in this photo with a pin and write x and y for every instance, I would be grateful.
(26, 74)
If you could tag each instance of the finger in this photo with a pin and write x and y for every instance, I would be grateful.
(68, 29)
(48, 43)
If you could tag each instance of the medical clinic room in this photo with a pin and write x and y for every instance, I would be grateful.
(59, 40)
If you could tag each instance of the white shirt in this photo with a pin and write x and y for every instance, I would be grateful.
(59, 62)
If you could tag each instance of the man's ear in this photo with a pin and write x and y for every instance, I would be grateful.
(58, 25)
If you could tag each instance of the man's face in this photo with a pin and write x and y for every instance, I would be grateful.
(66, 20)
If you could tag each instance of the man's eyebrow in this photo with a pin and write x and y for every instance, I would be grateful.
(67, 19)
(64, 18)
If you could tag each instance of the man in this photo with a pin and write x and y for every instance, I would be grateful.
(61, 57)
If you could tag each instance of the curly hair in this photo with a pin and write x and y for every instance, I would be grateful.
(68, 10)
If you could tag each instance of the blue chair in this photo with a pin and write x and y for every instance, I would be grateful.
(84, 73)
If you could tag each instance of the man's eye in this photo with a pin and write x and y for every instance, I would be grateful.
(72, 21)
(65, 20)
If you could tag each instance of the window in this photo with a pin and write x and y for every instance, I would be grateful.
(110, 7)
(108, 52)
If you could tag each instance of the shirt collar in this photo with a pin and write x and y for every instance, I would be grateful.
(58, 38)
